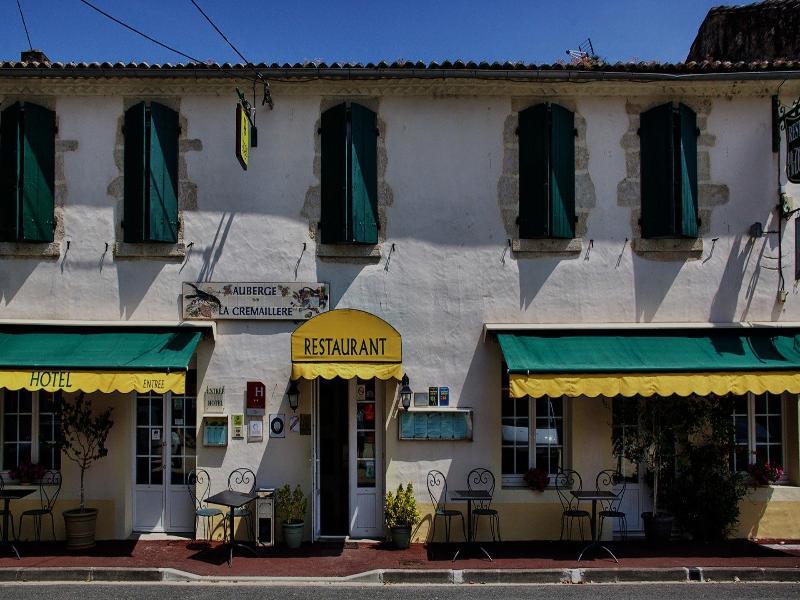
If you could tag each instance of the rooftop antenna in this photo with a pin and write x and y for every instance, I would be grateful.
(585, 50)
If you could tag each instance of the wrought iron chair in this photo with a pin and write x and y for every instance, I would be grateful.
(610, 508)
(199, 485)
(483, 479)
(49, 489)
(565, 481)
(5, 513)
(437, 490)
(243, 480)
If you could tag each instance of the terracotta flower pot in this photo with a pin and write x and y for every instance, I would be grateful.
(80, 528)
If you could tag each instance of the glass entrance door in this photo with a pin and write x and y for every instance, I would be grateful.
(164, 454)
(366, 464)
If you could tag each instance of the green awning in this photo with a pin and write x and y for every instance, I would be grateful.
(91, 359)
(647, 363)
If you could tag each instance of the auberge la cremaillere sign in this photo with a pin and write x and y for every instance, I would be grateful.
(253, 300)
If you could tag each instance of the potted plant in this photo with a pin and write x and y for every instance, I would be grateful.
(765, 473)
(651, 444)
(26, 472)
(83, 441)
(401, 514)
(537, 479)
(291, 505)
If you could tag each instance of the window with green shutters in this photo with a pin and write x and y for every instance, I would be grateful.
(546, 172)
(151, 174)
(349, 175)
(668, 141)
(27, 173)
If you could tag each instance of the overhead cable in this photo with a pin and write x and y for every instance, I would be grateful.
(25, 25)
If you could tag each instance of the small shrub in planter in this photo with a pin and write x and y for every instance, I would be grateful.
(764, 473)
(401, 514)
(291, 506)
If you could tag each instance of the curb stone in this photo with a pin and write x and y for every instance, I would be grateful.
(413, 576)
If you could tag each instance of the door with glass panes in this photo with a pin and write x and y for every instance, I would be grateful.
(366, 458)
(164, 455)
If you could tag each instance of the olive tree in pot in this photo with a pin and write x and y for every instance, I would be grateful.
(401, 514)
(291, 505)
(652, 444)
(83, 441)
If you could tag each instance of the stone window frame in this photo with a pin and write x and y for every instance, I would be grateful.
(629, 192)
(187, 190)
(508, 184)
(312, 205)
(46, 250)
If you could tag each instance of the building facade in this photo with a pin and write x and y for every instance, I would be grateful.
(465, 217)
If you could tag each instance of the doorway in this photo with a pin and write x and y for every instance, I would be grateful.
(165, 450)
(348, 458)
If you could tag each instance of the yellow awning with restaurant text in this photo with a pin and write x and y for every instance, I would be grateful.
(346, 343)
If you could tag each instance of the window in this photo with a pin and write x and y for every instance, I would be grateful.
(758, 425)
(27, 173)
(546, 172)
(532, 435)
(349, 175)
(624, 420)
(30, 429)
(668, 142)
(151, 174)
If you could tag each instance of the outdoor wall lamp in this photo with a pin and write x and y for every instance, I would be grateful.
(293, 393)
(405, 393)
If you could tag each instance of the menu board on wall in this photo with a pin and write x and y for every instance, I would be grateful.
(435, 425)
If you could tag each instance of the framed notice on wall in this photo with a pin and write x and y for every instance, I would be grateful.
(451, 425)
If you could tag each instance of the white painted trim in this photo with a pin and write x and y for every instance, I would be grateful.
(211, 326)
(510, 327)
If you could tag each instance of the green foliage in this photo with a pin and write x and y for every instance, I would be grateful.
(401, 508)
(83, 434)
(291, 505)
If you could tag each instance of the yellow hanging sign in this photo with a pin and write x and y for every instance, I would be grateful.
(242, 136)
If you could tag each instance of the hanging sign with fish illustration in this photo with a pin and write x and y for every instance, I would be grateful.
(254, 301)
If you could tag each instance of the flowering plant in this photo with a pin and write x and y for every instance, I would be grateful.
(401, 508)
(27, 471)
(537, 479)
(765, 473)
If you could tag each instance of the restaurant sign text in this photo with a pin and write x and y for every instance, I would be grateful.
(252, 300)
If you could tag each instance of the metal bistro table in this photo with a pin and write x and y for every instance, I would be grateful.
(232, 500)
(470, 496)
(7, 495)
(594, 496)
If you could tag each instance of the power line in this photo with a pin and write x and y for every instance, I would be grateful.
(134, 30)
(25, 25)
(267, 97)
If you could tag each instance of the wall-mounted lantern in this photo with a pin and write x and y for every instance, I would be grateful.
(405, 393)
(293, 393)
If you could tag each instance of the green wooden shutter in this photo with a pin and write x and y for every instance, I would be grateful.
(534, 146)
(10, 132)
(688, 137)
(163, 177)
(334, 177)
(657, 172)
(364, 174)
(134, 177)
(562, 172)
(38, 173)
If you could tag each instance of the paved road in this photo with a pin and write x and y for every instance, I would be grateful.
(692, 591)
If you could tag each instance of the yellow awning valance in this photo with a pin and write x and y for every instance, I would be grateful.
(105, 382)
(346, 343)
(653, 384)
(347, 370)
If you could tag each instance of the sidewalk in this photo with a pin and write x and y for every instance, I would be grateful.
(513, 562)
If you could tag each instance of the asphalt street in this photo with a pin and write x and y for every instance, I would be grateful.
(93, 591)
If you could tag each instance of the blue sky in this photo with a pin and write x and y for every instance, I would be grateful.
(356, 30)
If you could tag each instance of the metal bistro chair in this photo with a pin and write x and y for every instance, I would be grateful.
(4, 513)
(199, 485)
(610, 508)
(437, 490)
(243, 480)
(49, 489)
(483, 479)
(565, 481)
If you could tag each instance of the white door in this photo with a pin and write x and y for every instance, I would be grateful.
(638, 498)
(366, 457)
(164, 454)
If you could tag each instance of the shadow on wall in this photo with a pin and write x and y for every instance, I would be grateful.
(533, 274)
(652, 281)
(723, 306)
(213, 251)
(13, 278)
(752, 509)
(341, 275)
(135, 278)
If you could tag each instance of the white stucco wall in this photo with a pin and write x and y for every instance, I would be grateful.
(449, 271)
